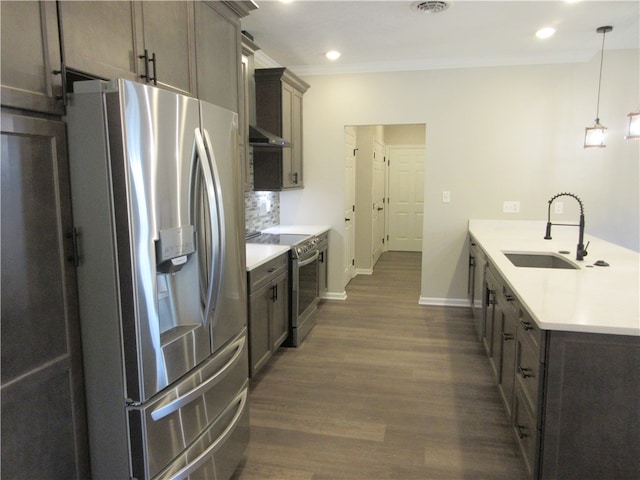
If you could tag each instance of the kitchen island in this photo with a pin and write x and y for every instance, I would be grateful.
(564, 346)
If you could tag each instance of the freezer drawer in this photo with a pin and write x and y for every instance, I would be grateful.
(164, 430)
(216, 454)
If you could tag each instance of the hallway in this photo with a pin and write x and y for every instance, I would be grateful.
(382, 388)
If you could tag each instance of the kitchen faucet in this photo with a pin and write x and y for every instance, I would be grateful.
(582, 249)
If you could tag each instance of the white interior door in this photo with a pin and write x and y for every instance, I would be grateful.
(378, 211)
(349, 203)
(406, 197)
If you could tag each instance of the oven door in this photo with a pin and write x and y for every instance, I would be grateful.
(305, 292)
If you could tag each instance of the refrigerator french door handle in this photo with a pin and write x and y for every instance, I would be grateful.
(205, 455)
(201, 151)
(211, 382)
(219, 205)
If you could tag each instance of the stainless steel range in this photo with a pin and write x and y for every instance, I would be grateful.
(303, 280)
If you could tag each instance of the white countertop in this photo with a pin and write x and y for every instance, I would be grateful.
(591, 299)
(299, 229)
(258, 253)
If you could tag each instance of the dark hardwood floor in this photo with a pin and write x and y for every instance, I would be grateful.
(382, 388)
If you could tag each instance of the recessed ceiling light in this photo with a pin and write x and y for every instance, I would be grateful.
(333, 55)
(545, 32)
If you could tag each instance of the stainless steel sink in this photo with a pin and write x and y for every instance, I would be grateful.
(539, 260)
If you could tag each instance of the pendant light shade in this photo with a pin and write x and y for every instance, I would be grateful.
(633, 129)
(594, 136)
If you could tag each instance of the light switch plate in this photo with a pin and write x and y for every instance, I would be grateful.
(446, 196)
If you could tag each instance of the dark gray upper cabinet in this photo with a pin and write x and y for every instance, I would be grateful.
(100, 38)
(168, 33)
(30, 55)
(151, 42)
(218, 55)
(279, 110)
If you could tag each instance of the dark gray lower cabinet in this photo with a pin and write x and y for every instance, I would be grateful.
(268, 310)
(573, 399)
(43, 415)
(591, 407)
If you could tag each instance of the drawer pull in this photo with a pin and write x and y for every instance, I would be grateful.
(509, 298)
(526, 325)
(522, 431)
(271, 270)
(524, 372)
(507, 336)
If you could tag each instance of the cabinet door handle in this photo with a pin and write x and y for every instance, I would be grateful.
(509, 298)
(507, 336)
(522, 431)
(524, 372)
(294, 177)
(526, 325)
(155, 75)
(146, 64)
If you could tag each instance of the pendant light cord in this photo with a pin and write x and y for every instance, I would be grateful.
(600, 78)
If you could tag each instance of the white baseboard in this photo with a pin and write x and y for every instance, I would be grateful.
(364, 271)
(334, 295)
(444, 302)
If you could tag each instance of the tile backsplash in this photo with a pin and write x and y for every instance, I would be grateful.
(261, 210)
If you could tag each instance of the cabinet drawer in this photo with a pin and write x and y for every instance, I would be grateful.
(524, 426)
(265, 273)
(528, 368)
(529, 328)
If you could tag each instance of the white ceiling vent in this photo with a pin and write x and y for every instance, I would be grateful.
(430, 6)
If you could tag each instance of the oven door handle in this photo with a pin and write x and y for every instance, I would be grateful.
(310, 260)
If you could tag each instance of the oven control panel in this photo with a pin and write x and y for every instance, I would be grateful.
(307, 247)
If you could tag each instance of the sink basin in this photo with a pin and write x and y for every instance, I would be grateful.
(539, 260)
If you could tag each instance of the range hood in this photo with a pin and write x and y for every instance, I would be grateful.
(259, 137)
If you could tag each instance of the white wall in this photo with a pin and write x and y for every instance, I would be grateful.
(493, 134)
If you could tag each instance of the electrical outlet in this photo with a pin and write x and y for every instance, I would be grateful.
(511, 206)
(446, 196)
(558, 207)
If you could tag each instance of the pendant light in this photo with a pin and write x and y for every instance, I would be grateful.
(594, 136)
(633, 129)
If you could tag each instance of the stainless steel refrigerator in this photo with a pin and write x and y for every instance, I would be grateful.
(159, 224)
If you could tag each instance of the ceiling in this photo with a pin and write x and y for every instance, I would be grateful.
(376, 36)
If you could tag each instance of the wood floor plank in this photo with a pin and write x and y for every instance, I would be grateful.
(382, 388)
